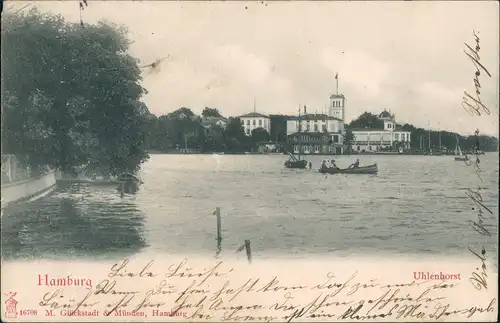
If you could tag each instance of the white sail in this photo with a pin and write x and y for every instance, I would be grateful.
(458, 151)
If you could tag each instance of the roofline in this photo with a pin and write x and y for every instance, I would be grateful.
(260, 115)
(313, 118)
(376, 130)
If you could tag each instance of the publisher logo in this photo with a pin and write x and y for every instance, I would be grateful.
(11, 306)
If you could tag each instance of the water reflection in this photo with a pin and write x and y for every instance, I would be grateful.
(76, 221)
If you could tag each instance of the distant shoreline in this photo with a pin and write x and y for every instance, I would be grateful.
(321, 154)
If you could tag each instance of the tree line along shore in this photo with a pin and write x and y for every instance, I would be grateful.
(182, 131)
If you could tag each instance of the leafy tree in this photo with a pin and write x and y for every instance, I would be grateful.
(177, 114)
(78, 92)
(210, 112)
(158, 133)
(198, 138)
(259, 135)
(278, 128)
(367, 120)
(234, 136)
(234, 129)
(348, 139)
(184, 130)
(215, 139)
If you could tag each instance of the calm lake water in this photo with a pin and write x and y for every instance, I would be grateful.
(415, 206)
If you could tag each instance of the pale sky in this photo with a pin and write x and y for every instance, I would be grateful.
(406, 57)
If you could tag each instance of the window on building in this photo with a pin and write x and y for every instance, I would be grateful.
(260, 122)
(242, 121)
(369, 147)
(324, 127)
(335, 138)
(248, 122)
(357, 148)
(253, 122)
(396, 136)
(315, 127)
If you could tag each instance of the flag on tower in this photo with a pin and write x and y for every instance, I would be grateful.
(337, 76)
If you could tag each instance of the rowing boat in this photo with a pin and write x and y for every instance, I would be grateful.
(297, 163)
(371, 169)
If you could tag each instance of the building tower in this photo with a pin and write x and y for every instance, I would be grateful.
(336, 107)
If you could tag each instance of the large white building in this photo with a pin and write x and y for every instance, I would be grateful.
(318, 133)
(254, 120)
(372, 140)
(314, 123)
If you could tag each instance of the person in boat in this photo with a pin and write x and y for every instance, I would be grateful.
(355, 164)
(334, 165)
(323, 164)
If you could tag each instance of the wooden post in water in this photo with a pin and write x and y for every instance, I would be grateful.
(122, 189)
(249, 250)
(219, 229)
(219, 232)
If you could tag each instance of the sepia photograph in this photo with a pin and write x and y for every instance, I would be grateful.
(258, 161)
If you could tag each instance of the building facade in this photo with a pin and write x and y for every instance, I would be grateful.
(318, 133)
(211, 122)
(388, 138)
(254, 120)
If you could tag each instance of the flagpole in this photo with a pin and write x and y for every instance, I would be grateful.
(337, 79)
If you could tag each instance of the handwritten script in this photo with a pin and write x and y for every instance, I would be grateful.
(220, 293)
(479, 276)
(475, 105)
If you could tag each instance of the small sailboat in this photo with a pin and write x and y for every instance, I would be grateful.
(296, 162)
(459, 156)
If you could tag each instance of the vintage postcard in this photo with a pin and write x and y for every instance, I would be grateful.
(206, 161)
